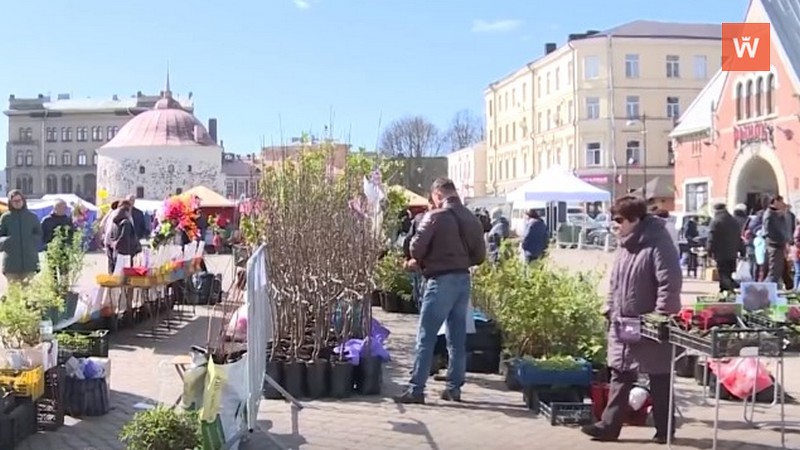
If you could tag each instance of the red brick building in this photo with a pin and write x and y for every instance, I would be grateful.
(740, 138)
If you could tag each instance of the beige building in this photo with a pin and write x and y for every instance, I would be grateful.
(602, 105)
(52, 143)
(467, 169)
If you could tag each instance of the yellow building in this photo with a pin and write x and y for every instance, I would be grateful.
(603, 105)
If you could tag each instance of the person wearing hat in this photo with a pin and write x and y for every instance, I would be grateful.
(106, 225)
(724, 244)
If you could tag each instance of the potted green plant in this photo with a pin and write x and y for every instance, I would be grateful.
(19, 322)
(64, 262)
(162, 428)
(392, 281)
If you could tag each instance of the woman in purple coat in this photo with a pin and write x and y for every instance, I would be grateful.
(646, 278)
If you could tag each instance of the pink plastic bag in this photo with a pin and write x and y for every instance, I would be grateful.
(237, 327)
(739, 375)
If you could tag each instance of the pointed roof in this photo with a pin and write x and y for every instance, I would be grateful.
(209, 198)
(697, 117)
(784, 15)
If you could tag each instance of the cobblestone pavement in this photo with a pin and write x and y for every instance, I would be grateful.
(490, 417)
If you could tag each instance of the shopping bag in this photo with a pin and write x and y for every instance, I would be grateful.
(743, 272)
(740, 375)
(224, 403)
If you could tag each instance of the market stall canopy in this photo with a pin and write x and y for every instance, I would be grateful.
(657, 187)
(557, 184)
(413, 198)
(209, 198)
(149, 206)
(70, 199)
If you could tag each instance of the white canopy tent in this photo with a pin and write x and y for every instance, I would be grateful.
(557, 184)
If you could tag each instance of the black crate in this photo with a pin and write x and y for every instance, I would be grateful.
(86, 398)
(656, 332)
(560, 405)
(17, 424)
(728, 342)
(97, 346)
(50, 409)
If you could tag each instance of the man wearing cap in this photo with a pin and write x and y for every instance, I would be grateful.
(724, 244)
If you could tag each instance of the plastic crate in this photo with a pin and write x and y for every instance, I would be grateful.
(106, 280)
(560, 406)
(655, 331)
(97, 346)
(25, 383)
(50, 408)
(728, 342)
(86, 398)
(530, 375)
(140, 281)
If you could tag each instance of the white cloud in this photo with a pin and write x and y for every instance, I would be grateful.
(495, 26)
(302, 4)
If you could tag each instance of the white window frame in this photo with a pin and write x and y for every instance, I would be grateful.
(596, 149)
(673, 66)
(673, 109)
(700, 63)
(592, 108)
(591, 67)
(633, 152)
(632, 107)
(632, 65)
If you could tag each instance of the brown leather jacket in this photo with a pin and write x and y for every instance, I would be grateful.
(448, 240)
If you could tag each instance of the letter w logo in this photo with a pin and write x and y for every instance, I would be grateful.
(746, 45)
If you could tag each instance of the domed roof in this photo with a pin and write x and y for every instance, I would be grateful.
(166, 125)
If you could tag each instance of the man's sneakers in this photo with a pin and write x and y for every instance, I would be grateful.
(409, 398)
(451, 396)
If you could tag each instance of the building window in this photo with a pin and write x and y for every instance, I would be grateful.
(748, 100)
(178, 191)
(19, 160)
(539, 87)
(570, 113)
(633, 153)
(51, 134)
(66, 158)
(539, 122)
(592, 108)
(25, 134)
(695, 196)
(594, 154)
(673, 108)
(700, 67)
(491, 138)
(739, 100)
(549, 119)
(52, 158)
(51, 184)
(82, 134)
(570, 70)
(770, 93)
(673, 66)
(139, 191)
(632, 107)
(229, 189)
(558, 115)
(171, 168)
(97, 134)
(82, 158)
(111, 132)
(513, 98)
(670, 153)
(547, 82)
(66, 184)
(25, 184)
(697, 148)
(94, 158)
(632, 66)
(558, 78)
(141, 170)
(29, 158)
(759, 96)
(66, 134)
(490, 108)
(591, 67)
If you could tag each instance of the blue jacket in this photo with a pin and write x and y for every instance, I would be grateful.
(535, 239)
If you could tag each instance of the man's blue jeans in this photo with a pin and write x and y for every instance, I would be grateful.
(445, 299)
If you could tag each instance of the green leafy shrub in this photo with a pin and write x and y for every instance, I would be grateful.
(390, 276)
(162, 428)
(544, 311)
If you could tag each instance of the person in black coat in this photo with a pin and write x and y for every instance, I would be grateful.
(724, 243)
(140, 225)
(58, 218)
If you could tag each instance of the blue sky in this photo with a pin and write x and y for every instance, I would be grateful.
(275, 68)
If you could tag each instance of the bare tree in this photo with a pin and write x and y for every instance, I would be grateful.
(465, 129)
(411, 137)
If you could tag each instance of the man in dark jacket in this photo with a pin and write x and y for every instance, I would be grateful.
(20, 238)
(56, 219)
(447, 243)
(498, 232)
(776, 231)
(535, 239)
(724, 243)
(140, 225)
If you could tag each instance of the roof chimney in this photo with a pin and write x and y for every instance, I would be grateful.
(549, 47)
(212, 129)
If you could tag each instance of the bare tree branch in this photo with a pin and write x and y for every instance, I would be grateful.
(465, 130)
(411, 137)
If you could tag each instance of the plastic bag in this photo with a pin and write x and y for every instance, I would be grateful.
(743, 272)
(237, 327)
(637, 397)
(739, 375)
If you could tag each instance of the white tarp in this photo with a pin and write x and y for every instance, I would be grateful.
(557, 184)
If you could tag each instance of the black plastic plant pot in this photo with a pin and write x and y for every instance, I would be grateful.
(274, 371)
(391, 303)
(510, 376)
(375, 298)
(294, 378)
(685, 366)
(369, 376)
(341, 379)
(318, 378)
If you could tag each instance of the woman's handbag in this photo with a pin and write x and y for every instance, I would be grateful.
(629, 329)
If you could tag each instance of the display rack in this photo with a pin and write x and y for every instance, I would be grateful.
(739, 342)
